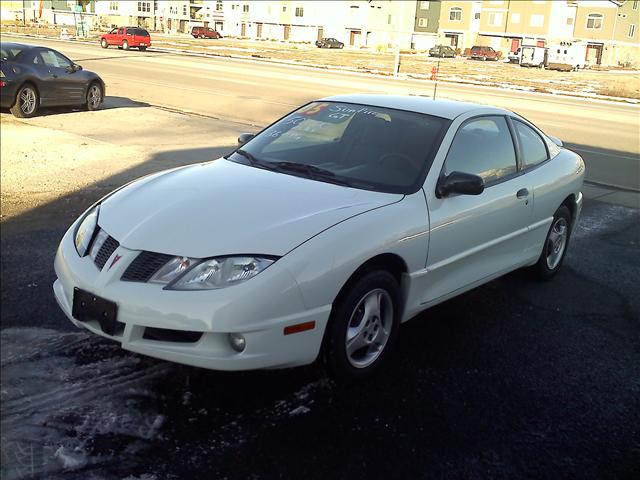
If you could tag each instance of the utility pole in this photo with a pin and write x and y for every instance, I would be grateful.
(396, 63)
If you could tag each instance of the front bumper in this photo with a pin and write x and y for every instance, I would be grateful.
(259, 309)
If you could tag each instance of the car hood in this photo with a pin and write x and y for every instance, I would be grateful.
(225, 208)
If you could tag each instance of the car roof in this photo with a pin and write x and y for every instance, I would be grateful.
(17, 45)
(449, 109)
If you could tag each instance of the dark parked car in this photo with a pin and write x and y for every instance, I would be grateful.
(127, 37)
(205, 32)
(329, 43)
(442, 51)
(484, 53)
(32, 77)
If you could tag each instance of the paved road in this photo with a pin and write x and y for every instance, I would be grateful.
(606, 134)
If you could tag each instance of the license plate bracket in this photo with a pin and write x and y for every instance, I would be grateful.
(87, 306)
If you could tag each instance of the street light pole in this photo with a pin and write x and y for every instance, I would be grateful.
(396, 63)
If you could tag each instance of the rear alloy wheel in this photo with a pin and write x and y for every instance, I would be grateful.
(104, 43)
(94, 97)
(26, 102)
(363, 326)
(125, 45)
(555, 245)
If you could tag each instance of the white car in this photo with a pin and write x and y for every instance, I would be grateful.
(321, 234)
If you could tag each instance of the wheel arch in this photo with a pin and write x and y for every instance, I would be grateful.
(570, 203)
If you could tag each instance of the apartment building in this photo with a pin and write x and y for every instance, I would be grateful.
(459, 23)
(425, 27)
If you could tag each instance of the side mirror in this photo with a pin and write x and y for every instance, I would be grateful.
(459, 182)
(74, 68)
(555, 140)
(244, 138)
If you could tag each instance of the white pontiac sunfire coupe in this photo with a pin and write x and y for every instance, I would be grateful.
(321, 234)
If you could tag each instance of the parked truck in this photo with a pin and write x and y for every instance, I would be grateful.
(567, 56)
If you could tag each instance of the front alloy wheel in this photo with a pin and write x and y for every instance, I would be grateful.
(26, 102)
(363, 325)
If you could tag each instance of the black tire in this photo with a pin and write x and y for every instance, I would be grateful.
(544, 269)
(142, 49)
(345, 311)
(125, 45)
(94, 97)
(104, 43)
(27, 102)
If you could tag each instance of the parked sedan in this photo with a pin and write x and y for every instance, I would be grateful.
(442, 51)
(32, 77)
(329, 43)
(320, 235)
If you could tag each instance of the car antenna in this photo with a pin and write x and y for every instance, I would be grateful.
(435, 77)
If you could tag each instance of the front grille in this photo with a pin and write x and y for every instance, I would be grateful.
(106, 250)
(144, 266)
(169, 335)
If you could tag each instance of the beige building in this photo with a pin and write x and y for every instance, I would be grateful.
(459, 23)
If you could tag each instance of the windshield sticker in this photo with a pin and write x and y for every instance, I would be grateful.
(313, 109)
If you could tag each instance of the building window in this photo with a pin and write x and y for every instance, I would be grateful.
(245, 8)
(424, 5)
(284, 9)
(144, 6)
(495, 19)
(594, 21)
(569, 20)
(299, 12)
(536, 20)
(476, 16)
(635, 5)
(632, 30)
(515, 18)
(184, 10)
(219, 6)
(455, 14)
(113, 6)
(422, 22)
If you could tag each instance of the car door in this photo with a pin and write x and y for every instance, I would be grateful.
(66, 83)
(474, 238)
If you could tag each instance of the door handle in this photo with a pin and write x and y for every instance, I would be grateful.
(522, 193)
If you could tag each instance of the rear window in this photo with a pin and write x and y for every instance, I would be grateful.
(10, 53)
(138, 31)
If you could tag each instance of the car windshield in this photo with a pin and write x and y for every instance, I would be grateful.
(361, 146)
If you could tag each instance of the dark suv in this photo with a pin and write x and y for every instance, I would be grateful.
(329, 43)
(484, 53)
(204, 32)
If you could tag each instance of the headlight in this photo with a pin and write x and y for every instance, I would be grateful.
(84, 232)
(220, 272)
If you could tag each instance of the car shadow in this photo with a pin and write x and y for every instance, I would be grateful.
(110, 102)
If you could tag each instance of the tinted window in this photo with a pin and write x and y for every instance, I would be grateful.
(10, 53)
(372, 147)
(533, 149)
(121, 31)
(483, 146)
(138, 31)
(54, 59)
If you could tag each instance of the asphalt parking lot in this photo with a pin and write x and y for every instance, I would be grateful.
(515, 379)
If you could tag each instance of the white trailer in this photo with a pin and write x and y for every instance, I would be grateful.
(567, 56)
(533, 56)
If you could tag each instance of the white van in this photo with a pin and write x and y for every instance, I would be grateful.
(567, 56)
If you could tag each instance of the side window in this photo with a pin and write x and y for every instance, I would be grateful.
(121, 31)
(483, 147)
(533, 148)
(54, 59)
(113, 32)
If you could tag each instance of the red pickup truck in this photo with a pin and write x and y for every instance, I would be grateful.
(127, 37)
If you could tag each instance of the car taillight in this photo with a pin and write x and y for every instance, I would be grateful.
(2, 82)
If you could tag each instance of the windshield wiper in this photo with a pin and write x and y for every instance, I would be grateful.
(256, 162)
(315, 173)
